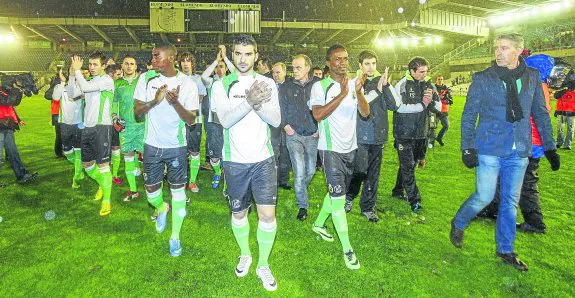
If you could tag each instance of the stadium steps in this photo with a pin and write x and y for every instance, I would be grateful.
(460, 50)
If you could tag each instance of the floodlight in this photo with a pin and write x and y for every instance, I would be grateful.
(10, 38)
(390, 42)
(438, 39)
(428, 40)
(567, 4)
(422, 1)
(400, 10)
(414, 41)
(404, 41)
(379, 42)
(412, 23)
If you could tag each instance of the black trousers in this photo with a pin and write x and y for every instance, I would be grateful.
(283, 160)
(529, 201)
(409, 151)
(367, 166)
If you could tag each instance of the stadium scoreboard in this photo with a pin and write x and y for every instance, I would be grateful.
(181, 17)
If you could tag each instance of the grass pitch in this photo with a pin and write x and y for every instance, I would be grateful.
(80, 253)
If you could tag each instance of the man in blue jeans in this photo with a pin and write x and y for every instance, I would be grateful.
(503, 96)
(300, 128)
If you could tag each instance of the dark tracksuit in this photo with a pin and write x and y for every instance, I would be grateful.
(410, 134)
(372, 134)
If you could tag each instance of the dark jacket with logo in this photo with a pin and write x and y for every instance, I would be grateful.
(413, 125)
(294, 104)
(373, 130)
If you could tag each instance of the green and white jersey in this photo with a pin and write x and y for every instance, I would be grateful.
(247, 141)
(124, 100)
(98, 97)
(337, 131)
(70, 110)
(163, 126)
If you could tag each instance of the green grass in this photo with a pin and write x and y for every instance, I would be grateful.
(82, 254)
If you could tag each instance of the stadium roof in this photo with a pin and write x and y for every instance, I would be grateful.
(313, 23)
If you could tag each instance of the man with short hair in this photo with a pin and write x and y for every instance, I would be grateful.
(96, 136)
(279, 71)
(187, 63)
(514, 94)
(410, 128)
(318, 72)
(278, 136)
(264, 67)
(115, 72)
(69, 119)
(131, 131)
(168, 99)
(246, 104)
(213, 128)
(335, 102)
(371, 136)
(300, 128)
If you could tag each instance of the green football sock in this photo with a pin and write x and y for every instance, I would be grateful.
(78, 164)
(115, 162)
(70, 156)
(324, 212)
(106, 183)
(340, 222)
(194, 167)
(178, 211)
(93, 173)
(266, 236)
(157, 200)
(129, 167)
(241, 230)
(217, 167)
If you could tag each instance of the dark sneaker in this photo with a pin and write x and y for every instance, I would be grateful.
(440, 142)
(511, 259)
(486, 214)
(456, 235)
(371, 216)
(525, 227)
(27, 178)
(416, 207)
(285, 186)
(302, 214)
(568, 148)
(348, 205)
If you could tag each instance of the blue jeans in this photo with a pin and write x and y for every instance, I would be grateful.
(510, 170)
(303, 155)
(7, 142)
(444, 126)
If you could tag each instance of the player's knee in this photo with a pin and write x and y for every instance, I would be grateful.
(240, 215)
(153, 188)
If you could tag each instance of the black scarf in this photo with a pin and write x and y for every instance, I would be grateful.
(510, 76)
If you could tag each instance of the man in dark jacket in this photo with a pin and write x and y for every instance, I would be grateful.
(371, 137)
(410, 128)
(9, 122)
(300, 128)
(503, 97)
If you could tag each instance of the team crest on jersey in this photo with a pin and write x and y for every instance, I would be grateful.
(411, 93)
(400, 147)
(337, 189)
(236, 204)
(330, 188)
